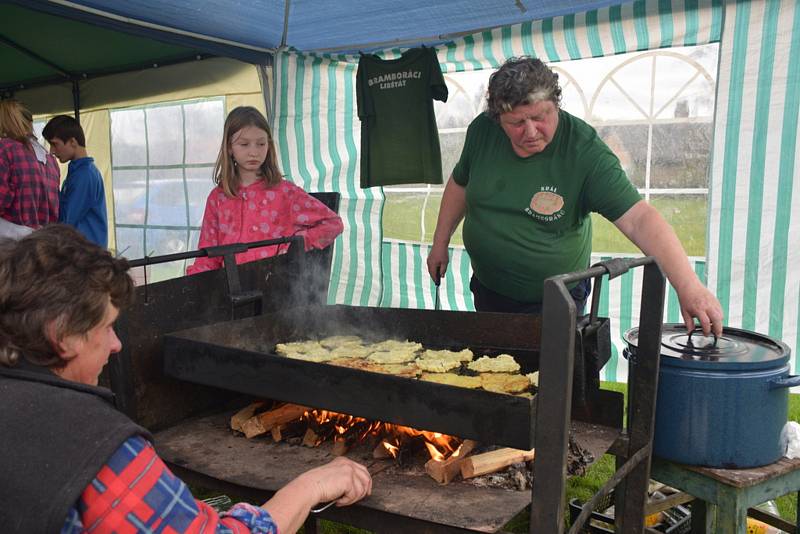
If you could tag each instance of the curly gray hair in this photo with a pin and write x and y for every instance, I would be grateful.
(519, 81)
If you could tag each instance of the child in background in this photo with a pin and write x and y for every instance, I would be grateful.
(82, 201)
(252, 201)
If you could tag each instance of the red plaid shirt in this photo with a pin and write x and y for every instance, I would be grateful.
(28, 188)
(135, 492)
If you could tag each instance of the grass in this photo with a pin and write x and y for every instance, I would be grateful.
(402, 219)
(686, 215)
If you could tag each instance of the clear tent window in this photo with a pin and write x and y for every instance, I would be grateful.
(163, 159)
(655, 111)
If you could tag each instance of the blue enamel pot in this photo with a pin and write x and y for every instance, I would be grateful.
(722, 402)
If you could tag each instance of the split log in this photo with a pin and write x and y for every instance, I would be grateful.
(492, 461)
(265, 422)
(238, 419)
(340, 447)
(443, 471)
(381, 452)
(311, 439)
(276, 433)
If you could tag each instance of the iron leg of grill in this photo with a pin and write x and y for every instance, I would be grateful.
(552, 417)
(632, 492)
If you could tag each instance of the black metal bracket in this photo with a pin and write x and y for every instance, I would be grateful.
(593, 342)
(238, 298)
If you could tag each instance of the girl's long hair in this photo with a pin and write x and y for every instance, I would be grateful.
(16, 122)
(226, 173)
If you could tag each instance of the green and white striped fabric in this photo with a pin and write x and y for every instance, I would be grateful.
(754, 206)
(754, 202)
(408, 285)
(620, 299)
(642, 25)
(318, 131)
(318, 136)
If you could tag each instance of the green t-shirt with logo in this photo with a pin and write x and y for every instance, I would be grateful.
(527, 219)
(399, 139)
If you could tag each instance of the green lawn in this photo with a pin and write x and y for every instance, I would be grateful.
(687, 215)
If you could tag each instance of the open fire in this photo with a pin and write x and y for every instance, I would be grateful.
(349, 430)
(445, 457)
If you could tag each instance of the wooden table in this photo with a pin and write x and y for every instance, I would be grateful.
(725, 496)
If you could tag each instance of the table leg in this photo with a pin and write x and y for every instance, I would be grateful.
(701, 519)
(731, 512)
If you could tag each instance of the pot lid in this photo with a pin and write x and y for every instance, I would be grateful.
(734, 350)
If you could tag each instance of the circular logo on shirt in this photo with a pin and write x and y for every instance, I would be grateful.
(546, 202)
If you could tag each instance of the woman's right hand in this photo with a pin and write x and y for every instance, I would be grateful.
(438, 260)
(341, 480)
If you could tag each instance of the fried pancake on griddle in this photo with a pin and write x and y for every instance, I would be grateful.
(503, 363)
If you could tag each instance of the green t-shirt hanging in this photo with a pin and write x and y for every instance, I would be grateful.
(399, 139)
(527, 219)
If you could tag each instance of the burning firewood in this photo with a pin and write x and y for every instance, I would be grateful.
(238, 419)
(383, 450)
(311, 439)
(489, 462)
(265, 422)
(443, 471)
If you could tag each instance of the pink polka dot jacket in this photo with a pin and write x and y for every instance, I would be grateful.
(261, 212)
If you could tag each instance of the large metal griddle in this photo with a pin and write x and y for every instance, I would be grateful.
(239, 356)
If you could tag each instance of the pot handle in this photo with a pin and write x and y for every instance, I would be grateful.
(785, 382)
(693, 330)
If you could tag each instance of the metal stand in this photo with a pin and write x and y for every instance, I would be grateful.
(555, 402)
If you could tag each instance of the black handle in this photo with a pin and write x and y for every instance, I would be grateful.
(222, 250)
(693, 330)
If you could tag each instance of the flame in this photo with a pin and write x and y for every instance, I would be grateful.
(391, 449)
(440, 446)
(434, 452)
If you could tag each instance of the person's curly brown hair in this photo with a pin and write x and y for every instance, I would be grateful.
(519, 81)
(55, 283)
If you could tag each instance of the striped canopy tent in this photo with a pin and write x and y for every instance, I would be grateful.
(754, 206)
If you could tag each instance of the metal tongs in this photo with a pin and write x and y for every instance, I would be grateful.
(437, 282)
(372, 471)
(322, 508)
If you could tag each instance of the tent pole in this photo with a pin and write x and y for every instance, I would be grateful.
(76, 99)
(285, 23)
(265, 92)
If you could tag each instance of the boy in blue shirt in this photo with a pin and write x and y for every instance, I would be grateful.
(82, 200)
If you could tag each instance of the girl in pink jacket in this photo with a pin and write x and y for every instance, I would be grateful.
(252, 201)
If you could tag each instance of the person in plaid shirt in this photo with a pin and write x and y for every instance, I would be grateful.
(29, 176)
(71, 462)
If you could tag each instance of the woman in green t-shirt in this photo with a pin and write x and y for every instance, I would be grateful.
(527, 180)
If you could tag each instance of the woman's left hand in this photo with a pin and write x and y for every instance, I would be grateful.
(697, 302)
